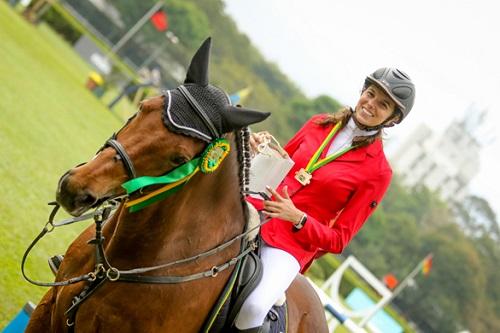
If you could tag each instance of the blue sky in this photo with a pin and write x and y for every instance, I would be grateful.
(449, 48)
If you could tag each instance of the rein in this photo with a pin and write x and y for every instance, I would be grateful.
(102, 266)
(98, 215)
(104, 271)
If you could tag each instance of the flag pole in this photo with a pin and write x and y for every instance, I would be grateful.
(135, 28)
(396, 291)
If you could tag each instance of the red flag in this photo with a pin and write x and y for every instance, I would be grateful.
(390, 281)
(160, 20)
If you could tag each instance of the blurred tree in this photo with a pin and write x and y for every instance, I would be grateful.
(477, 218)
(304, 108)
(448, 298)
(188, 22)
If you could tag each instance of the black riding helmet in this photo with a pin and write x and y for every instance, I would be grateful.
(397, 84)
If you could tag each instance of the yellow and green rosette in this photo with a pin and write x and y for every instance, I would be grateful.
(214, 155)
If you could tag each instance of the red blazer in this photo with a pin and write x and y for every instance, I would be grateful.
(339, 199)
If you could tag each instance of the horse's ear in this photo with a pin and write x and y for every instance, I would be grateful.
(238, 117)
(198, 69)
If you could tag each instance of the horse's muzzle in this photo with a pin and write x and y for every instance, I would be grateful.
(73, 199)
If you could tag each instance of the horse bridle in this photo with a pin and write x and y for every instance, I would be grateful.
(122, 153)
(120, 150)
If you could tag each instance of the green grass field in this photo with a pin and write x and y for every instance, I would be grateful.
(48, 123)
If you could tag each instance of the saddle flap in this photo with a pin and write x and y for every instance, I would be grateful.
(249, 276)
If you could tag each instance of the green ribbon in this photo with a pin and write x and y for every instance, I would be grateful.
(209, 160)
(175, 175)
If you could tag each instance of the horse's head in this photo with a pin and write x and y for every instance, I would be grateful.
(168, 131)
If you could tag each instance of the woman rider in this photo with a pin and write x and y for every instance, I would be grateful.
(339, 177)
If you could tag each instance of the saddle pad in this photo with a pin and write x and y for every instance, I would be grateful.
(278, 318)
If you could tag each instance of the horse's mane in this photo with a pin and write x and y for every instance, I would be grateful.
(243, 157)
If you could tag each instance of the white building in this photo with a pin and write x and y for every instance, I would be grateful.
(444, 162)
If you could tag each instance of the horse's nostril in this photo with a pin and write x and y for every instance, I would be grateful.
(63, 182)
(85, 199)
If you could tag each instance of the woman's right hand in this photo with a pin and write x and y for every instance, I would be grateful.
(258, 138)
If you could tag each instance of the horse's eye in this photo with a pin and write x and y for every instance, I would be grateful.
(178, 160)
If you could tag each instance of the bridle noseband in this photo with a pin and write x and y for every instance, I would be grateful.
(127, 162)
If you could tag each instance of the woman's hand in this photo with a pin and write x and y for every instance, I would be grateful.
(282, 207)
(258, 138)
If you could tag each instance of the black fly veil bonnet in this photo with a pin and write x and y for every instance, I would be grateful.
(201, 110)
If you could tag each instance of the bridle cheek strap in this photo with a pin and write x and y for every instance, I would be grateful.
(127, 162)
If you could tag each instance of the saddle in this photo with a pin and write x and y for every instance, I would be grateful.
(242, 282)
(246, 278)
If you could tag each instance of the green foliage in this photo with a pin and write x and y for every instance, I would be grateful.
(459, 292)
(237, 64)
(63, 27)
(188, 22)
(304, 108)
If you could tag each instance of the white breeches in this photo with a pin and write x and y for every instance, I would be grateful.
(279, 270)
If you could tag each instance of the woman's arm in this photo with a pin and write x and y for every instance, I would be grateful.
(359, 208)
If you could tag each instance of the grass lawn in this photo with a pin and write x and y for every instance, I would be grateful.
(49, 122)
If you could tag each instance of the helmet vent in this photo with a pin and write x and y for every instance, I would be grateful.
(400, 75)
(402, 92)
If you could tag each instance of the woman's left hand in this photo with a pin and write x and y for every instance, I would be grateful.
(282, 207)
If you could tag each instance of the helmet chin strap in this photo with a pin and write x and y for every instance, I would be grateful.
(386, 123)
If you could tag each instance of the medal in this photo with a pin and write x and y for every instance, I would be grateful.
(303, 177)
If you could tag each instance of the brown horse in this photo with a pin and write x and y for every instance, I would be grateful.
(208, 210)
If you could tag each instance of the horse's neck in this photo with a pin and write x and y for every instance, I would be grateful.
(204, 214)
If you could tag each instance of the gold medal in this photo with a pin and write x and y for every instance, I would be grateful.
(303, 177)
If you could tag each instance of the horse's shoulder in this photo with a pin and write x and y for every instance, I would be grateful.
(77, 255)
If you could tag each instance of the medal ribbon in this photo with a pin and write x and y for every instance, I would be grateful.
(314, 164)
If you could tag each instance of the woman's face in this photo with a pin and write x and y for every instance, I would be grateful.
(374, 107)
